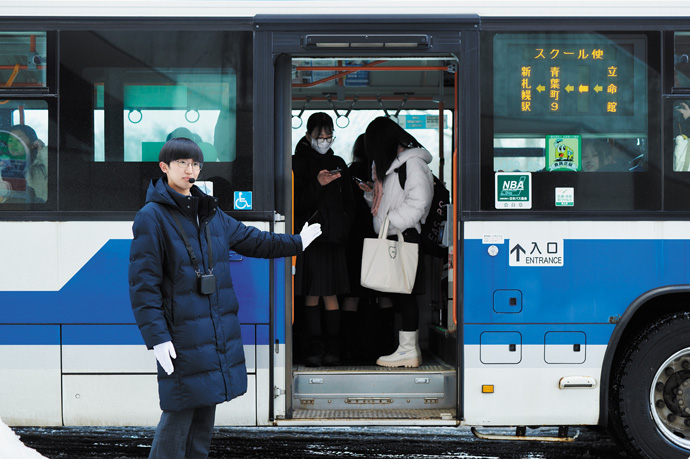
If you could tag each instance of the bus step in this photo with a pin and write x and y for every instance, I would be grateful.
(520, 434)
(432, 415)
(369, 388)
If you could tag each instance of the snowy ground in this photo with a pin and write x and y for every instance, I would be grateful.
(11, 446)
(369, 442)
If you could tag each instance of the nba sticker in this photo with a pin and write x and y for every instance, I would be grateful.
(513, 190)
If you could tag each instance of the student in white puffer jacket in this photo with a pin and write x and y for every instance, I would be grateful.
(390, 146)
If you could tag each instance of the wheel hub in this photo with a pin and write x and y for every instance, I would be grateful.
(670, 398)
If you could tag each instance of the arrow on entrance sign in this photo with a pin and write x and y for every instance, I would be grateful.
(518, 248)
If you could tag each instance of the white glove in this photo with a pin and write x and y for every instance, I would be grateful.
(309, 233)
(163, 352)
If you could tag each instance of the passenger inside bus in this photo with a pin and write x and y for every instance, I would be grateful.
(23, 166)
(405, 204)
(322, 195)
(595, 155)
(359, 305)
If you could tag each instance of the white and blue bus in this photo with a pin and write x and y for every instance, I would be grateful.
(560, 132)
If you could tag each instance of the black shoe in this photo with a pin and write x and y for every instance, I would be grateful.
(314, 353)
(331, 357)
(313, 360)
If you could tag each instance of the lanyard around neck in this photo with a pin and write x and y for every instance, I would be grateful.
(190, 250)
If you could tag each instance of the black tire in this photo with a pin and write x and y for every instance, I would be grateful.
(653, 424)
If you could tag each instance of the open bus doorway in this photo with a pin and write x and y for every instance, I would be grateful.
(419, 95)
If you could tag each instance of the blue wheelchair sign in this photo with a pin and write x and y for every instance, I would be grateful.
(243, 200)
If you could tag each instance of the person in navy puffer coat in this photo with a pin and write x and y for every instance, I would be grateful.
(180, 320)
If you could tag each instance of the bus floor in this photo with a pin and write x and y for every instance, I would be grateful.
(374, 392)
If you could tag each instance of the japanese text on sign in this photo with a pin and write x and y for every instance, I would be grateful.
(525, 253)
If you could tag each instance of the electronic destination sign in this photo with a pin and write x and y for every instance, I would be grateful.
(596, 82)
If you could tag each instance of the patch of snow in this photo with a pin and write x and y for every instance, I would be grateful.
(11, 447)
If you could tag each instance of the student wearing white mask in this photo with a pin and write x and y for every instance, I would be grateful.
(322, 194)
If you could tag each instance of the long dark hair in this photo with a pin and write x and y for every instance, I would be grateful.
(383, 137)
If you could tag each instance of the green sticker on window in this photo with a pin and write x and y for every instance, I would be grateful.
(563, 153)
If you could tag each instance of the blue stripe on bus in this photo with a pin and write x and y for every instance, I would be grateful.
(29, 334)
(98, 292)
(101, 334)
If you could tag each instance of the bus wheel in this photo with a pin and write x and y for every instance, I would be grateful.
(651, 393)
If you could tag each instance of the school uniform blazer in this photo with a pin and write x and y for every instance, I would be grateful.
(167, 305)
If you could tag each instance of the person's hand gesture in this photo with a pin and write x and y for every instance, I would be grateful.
(366, 186)
(684, 110)
(309, 233)
(164, 352)
(326, 177)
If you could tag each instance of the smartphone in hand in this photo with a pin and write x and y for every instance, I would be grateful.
(334, 171)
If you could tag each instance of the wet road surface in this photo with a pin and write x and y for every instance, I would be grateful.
(320, 442)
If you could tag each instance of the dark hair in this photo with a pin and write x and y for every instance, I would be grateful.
(27, 131)
(359, 152)
(383, 137)
(320, 121)
(180, 148)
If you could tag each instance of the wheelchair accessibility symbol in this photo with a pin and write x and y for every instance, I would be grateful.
(243, 200)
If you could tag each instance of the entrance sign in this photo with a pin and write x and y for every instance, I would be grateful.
(525, 253)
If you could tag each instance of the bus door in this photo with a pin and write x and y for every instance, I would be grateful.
(409, 73)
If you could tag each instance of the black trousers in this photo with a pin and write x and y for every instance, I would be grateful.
(184, 434)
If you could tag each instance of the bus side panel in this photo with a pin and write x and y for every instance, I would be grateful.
(30, 375)
(529, 329)
(107, 374)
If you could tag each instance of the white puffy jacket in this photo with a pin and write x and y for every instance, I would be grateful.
(406, 208)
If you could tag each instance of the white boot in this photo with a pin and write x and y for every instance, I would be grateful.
(407, 355)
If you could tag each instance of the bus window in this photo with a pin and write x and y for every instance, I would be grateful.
(147, 87)
(22, 60)
(23, 154)
(681, 61)
(563, 105)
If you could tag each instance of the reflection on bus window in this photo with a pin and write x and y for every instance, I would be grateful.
(681, 61)
(598, 155)
(681, 131)
(23, 59)
(24, 158)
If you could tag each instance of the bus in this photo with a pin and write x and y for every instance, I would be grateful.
(560, 132)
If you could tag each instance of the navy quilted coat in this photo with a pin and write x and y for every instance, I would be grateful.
(167, 305)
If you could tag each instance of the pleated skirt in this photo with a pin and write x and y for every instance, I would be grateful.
(322, 270)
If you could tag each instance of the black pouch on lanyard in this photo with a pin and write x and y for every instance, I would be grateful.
(207, 282)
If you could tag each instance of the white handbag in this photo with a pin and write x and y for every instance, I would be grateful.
(388, 265)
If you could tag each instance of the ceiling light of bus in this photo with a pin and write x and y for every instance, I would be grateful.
(418, 41)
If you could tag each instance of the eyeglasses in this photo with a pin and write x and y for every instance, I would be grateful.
(182, 164)
(325, 140)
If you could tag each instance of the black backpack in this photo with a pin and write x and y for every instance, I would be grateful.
(433, 227)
